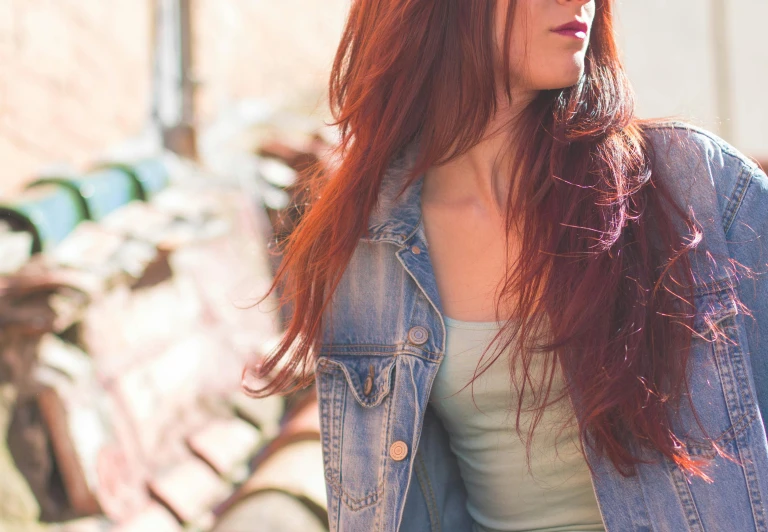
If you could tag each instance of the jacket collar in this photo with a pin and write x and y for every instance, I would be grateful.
(395, 219)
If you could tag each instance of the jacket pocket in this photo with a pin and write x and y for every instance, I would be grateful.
(718, 374)
(354, 392)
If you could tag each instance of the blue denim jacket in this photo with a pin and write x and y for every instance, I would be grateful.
(388, 465)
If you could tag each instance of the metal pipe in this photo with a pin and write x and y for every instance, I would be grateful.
(186, 64)
(723, 90)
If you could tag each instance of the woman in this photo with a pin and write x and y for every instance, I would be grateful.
(524, 307)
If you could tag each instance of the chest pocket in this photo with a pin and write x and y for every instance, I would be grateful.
(355, 397)
(718, 382)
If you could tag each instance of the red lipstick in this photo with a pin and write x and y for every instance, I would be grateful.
(574, 29)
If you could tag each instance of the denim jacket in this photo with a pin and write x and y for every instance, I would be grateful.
(387, 461)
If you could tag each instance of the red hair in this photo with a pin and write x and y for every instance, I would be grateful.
(600, 257)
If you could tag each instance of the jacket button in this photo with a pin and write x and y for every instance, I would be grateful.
(416, 250)
(368, 385)
(418, 335)
(398, 450)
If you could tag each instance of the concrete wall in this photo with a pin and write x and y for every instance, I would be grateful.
(74, 80)
(748, 62)
(281, 51)
(704, 60)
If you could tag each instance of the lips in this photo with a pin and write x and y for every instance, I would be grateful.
(575, 28)
(574, 25)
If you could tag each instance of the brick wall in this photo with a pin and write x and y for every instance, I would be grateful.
(281, 51)
(74, 80)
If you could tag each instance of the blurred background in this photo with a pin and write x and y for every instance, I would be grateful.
(151, 150)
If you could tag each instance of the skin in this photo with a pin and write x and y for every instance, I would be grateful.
(463, 201)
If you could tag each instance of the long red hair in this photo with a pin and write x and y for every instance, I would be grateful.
(600, 257)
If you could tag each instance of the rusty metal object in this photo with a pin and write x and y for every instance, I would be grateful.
(226, 445)
(126, 344)
(292, 465)
(99, 472)
(274, 511)
(189, 489)
(37, 302)
(155, 518)
(29, 446)
(147, 344)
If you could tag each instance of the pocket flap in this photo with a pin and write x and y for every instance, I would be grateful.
(369, 376)
(712, 307)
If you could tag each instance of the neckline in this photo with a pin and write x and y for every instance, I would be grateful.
(475, 325)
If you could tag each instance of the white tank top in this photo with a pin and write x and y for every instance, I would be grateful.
(502, 495)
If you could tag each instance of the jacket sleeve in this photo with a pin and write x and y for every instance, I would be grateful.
(747, 236)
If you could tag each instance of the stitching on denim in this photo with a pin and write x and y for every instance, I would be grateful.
(705, 449)
(354, 504)
(725, 308)
(733, 357)
(738, 364)
(329, 413)
(421, 288)
(350, 502)
(737, 355)
(422, 476)
(730, 361)
(753, 485)
(744, 451)
(377, 399)
(713, 287)
(736, 199)
(391, 350)
(334, 412)
(645, 525)
(685, 497)
(731, 366)
(386, 437)
(354, 347)
(334, 507)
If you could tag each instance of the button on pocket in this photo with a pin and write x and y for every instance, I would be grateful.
(368, 384)
(418, 335)
(354, 398)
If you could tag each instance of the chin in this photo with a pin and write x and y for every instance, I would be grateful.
(566, 77)
(570, 82)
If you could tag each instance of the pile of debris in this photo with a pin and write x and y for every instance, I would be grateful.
(121, 353)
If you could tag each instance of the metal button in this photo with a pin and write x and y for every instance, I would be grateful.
(368, 385)
(418, 335)
(416, 250)
(398, 450)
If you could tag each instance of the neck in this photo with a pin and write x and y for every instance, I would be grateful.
(480, 177)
